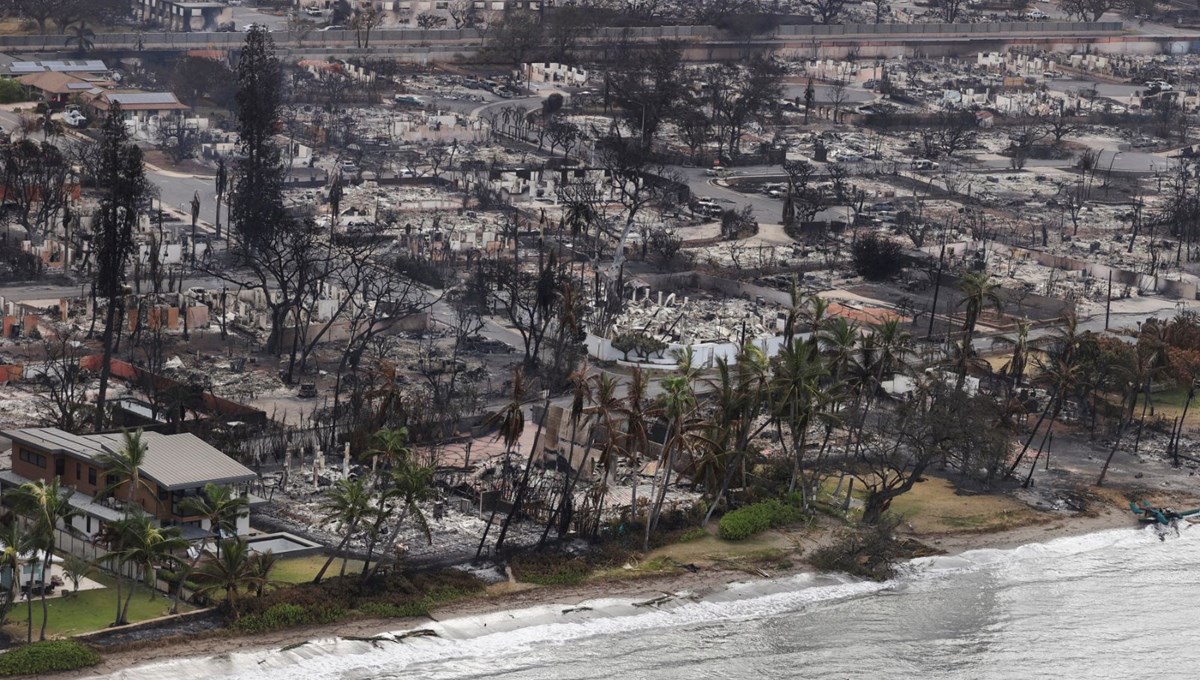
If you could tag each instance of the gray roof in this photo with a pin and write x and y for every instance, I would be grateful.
(126, 98)
(80, 66)
(174, 461)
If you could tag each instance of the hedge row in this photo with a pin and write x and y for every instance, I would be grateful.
(47, 657)
(755, 519)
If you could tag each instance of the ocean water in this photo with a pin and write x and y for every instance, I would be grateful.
(1115, 604)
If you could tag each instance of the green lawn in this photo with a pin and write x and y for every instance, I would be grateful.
(88, 610)
(303, 569)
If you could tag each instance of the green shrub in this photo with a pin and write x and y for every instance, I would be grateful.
(755, 519)
(11, 91)
(47, 657)
(281, 616)
(693, 534)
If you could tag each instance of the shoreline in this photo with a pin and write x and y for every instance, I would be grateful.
(512, 596)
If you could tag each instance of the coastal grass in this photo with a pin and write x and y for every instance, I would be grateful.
(51, 656)
(305, 569)
(935, 507)
(88, 610)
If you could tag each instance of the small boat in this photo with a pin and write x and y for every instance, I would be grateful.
(1148, 514)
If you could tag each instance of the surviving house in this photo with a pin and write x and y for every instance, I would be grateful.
(177, 466)
(139, 108)
(54, 87)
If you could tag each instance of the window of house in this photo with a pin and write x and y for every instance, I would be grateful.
(162, 494)
(78, 471)
(60, 467)
(92, 476)
(89, 524)
(33, 458)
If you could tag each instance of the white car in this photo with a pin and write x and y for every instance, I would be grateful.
(1036, 15)
(250, 27)
(74, 119)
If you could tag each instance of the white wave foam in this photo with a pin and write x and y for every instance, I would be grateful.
(510, 632)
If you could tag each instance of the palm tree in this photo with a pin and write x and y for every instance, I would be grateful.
(349, 504)
(15, 542)
(979, 291)
(581, 394)
(740, 397)
(125, 464)
(678, 404)
(390, 448)
(83, 38)
(797, 395)
(48, 504)
(77, 568)
(221, 506)
(262, 564)
(838, 340)
(1014, 369)
(137, 542)
(233, 571)
(408, 486)
(392, 451)
(511, 418)
(1060, 370)
(638, 414)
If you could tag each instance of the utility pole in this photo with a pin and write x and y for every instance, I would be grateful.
(195, 216)
(937, 287)
(1108, 301)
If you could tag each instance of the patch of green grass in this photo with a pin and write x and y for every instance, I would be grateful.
(89, 610)
(304, 569)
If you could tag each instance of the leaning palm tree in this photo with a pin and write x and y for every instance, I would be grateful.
(82, 37)
(409, 485)
(581, 394)
(679, 407)
(392, 452)
(235, 570)
(48, 505)
(348, 504)
(125, 464)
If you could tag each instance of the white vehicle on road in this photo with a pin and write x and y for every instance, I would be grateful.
(74, 119)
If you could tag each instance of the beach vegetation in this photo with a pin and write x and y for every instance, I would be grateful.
(49, 656)
(755, 519)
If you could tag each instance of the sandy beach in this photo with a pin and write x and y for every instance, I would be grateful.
(515, 596)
